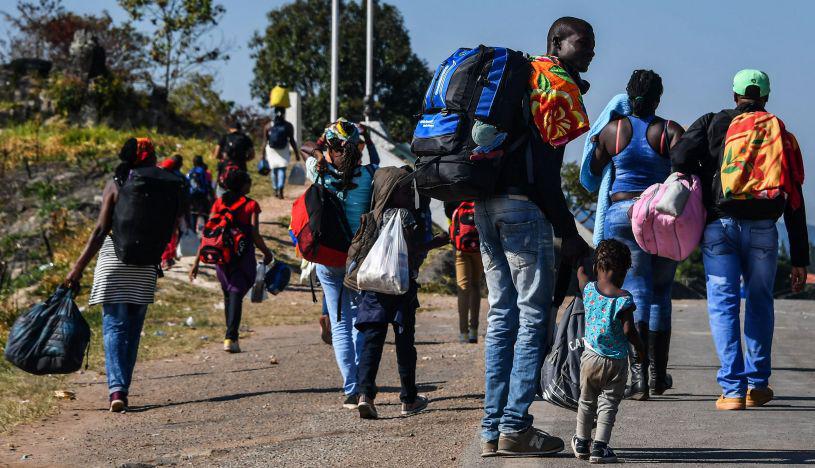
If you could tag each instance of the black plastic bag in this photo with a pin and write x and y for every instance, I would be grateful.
(51, 338)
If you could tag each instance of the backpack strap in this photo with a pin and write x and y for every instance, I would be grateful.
(664, 137)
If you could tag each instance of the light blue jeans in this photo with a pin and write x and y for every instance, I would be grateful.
(650, 278)
(278, 177)
(121, 331)
(346, 339)
(518, 257)
(733, 249)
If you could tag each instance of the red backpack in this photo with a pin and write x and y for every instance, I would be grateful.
(319, 228)
(223, 240)
(463, 233)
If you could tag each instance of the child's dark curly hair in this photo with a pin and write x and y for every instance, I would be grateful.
(612, 255)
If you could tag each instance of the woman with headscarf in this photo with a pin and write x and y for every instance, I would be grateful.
(124, 290)
(336, 163)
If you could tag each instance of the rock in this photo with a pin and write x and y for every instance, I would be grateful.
(273, 360)
(64, 395)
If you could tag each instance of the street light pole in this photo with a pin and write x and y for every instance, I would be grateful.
(369, 62)
(335, 39)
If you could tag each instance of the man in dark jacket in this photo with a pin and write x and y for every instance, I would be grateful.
(234, 148)
(516, 231)
(741, 241)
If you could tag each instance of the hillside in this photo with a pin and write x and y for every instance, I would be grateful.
(52, 178)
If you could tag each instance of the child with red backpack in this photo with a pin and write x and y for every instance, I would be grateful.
(228, 241)
(469, 269)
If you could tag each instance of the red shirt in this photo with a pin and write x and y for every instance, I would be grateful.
(243, 215)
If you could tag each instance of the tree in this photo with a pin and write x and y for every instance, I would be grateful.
(582, 203)
(31, 22)
(45, 30)
(294, 51)
(199, 102)
(182, 41)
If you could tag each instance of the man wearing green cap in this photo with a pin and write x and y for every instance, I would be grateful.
(739, 154)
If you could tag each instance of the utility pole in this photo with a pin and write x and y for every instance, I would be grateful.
(369, 62)
(335, 39)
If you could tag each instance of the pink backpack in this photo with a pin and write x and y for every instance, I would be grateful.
(668, 218)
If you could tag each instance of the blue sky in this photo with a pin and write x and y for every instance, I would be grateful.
(696, 46)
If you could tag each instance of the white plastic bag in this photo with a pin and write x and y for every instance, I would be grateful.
(259, 288)
(385, 269)
(188, 244)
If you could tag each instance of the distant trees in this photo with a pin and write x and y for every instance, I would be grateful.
(182, 40)
(294, 50)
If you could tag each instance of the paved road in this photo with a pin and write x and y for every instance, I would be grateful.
(213, 409)
(683, 428)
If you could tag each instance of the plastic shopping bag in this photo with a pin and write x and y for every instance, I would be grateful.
(188, 244)
(385, 268)
(51, 338)
(259, 287)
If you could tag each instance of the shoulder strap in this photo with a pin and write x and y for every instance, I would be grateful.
(617, 139)
(664, 137)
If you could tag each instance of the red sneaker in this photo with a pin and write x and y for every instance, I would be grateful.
(118, 402)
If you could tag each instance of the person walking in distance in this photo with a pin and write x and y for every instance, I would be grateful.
(279, 147)
(516, 232)
(238, 275)
(201, 192)
(751, 170)
(469, 270)
(234, 150)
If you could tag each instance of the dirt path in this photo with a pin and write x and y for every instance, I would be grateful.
(212, 408)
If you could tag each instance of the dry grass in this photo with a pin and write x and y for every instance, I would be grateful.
(24, 397)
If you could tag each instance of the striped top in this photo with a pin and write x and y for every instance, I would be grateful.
(117, 283)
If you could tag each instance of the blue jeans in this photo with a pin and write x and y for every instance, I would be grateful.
(346, 339)
(734, 249)
(278, 177)
(121, 332)
(518, 257)
(650, 278)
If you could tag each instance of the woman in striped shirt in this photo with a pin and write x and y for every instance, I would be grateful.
(124, 290)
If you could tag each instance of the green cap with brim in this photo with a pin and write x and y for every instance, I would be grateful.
(749, 77)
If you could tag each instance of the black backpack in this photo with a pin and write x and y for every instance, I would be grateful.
(560, 374)
(51, 338)
(277, 136)
(235, 147)
(149, 203)
(488, 84)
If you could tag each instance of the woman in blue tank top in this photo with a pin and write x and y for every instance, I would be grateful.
(637, 146)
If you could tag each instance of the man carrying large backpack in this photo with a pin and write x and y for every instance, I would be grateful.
(751, 170)
(516, 229)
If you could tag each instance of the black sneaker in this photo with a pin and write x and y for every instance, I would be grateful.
(581, 447)
(601, 453)
(350, 401)
(530, 442)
